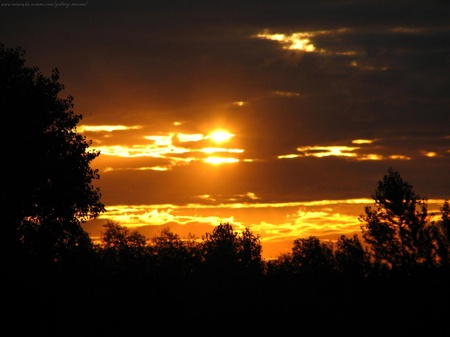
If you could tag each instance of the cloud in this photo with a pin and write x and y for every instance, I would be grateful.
(326, 219)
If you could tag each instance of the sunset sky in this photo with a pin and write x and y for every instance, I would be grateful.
(280, 116)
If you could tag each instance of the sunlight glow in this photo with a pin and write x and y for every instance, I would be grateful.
(220, 136)
(184, 137)
(239, 103)
(277, 223)
(252, 196)
(325, 151)
(172, 147)
(399, 156)
(346, 152)
(219, 160)
(288, 156)
(136, 151)
(161, 140)
(164, 150)
(295, 41)
(362, 141)
(220, 149)
(302, 41)
(430, 154)
(370, 156)
(159, 168)
(106, 128)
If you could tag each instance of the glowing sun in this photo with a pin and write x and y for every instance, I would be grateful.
(220, 136)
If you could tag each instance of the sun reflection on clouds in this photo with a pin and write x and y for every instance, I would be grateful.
(184, 137)
(301, 219)
(325, 151)
(365, 151)
(239, 103)
(323, 222)
(233, 201)
(399, 157)
(294, 41)
(333, 42)
(219, 150)
(165, 140)
(172, 146)
(278, 224)
(220, 160)
(106, 128)
(362, 141)
(155, 151)
(371, 156)
(429, 154)
(135, 216)
(303, 41)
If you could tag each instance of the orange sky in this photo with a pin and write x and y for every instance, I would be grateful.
(314, 102)
(278, 224)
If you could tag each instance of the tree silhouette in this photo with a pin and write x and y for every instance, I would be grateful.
(312, 257)
(47, 182)
(351, 258)
(249, 252)
(441, 233)
(398, 230)
(174, 257)
(122, 250)
(228, 253)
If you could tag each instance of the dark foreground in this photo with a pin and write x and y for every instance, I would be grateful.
(64, 304)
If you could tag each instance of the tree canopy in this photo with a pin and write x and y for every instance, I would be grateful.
(398, 230)
(47, 182)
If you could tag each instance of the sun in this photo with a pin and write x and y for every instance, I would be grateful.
(220, 136)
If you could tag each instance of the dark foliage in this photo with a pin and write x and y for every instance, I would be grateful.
(46, 177)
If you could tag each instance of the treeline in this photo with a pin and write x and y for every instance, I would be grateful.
(396, 271)
(398, 237)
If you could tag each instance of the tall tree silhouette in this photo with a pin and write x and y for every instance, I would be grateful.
(47, 182)
(398, 229)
